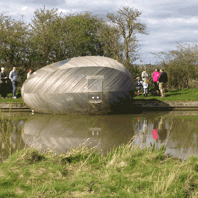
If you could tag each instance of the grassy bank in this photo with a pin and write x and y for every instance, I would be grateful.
(124, 172)
(173, 95)
(9, 98)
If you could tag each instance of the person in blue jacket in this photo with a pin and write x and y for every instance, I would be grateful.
(14, 79)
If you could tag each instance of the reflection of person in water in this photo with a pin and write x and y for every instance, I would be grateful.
(162, 132)
(145, 130)
(141, 131)
(138, 125)
(15, 132)
(155, 130)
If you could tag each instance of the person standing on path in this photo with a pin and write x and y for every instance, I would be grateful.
(14, 79)
(163, 78)
(156, 75)
(3, 82)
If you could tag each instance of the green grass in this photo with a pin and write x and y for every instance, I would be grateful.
(10, 99)
(173, 95)
(124, 172)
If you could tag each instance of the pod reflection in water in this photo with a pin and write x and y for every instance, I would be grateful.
(62, 132)
(90, 84)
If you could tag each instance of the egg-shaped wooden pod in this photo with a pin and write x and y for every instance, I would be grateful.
(90, 84)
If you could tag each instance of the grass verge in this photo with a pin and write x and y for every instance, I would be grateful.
(173, 95)
(9, 98)
(126, 171)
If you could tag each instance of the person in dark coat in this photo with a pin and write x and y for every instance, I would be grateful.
(138, 85)
(163, 78)
(3, 82)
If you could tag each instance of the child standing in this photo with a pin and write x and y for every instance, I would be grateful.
(138, 85)
(145, 87)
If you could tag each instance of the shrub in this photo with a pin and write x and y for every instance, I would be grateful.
(181, 66)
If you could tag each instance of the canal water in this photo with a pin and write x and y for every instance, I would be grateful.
(177, 130)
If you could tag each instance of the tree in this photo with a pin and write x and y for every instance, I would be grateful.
(52, 37)
(13, 44)
(110, 39)
(128, 25)
(45, 34)
(180, 65)
(55, 37)
(82, 30)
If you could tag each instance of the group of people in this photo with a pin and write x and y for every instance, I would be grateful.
(14, 80)
(160, 79)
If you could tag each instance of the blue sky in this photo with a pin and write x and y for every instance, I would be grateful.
(167, 21)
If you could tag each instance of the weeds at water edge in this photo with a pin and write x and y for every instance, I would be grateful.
(126, 171)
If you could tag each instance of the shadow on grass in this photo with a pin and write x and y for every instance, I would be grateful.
(173, 92)
(168, 94)
(18, 95)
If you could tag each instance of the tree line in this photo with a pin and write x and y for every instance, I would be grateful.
(181, 66)
(52, 37)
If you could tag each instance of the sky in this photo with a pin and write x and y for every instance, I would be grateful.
(168, 21)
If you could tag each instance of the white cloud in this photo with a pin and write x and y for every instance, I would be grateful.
(62, 10)
(120, 4)
(24, 8)
(152, 21)
(180, 20)
(93, 3)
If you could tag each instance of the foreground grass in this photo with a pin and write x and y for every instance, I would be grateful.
(173, 95)
(124, 172)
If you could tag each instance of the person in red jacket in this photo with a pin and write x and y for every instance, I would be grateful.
(156, 75)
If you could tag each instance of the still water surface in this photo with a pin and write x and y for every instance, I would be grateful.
(178, 130)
